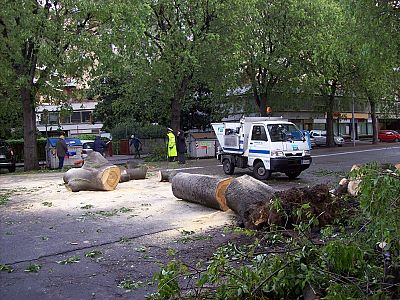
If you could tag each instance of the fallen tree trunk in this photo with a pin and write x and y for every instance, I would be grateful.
(257, 204)
(96, 174)
(245, 196)
(166, 175)
(132, 164)
(202, 189)
(124, 175)
(137, 173)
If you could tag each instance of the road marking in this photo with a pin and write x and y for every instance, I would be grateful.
(188, 168)
(352, 152)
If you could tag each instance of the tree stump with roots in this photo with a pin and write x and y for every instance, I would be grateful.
(96, 174)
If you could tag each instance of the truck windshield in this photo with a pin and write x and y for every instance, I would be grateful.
(284, 132)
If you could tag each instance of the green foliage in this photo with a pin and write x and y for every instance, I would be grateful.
(157, 153)
(93, 253)
(4, 197)
(6, 268)
(129, 284)
(69, 260)
(341, 263)
(167, 280)
(125, 129)
(18, 146)
(33, 268)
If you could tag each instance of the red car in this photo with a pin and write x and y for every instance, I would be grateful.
(388, 136)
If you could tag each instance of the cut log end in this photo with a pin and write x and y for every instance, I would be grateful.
(110, 178)
(220, 193)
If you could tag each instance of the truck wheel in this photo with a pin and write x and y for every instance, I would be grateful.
(11, 169)
(260, 172)
(293, 174)
(228, 166)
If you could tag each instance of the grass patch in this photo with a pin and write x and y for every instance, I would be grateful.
(48, 204)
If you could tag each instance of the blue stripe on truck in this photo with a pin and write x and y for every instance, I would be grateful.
(233, 149)
(259, 151)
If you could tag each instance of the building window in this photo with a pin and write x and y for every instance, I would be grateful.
(65, 119)
(53, 118)
(76, 117)
(86, 117)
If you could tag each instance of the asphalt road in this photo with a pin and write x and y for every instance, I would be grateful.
(133, 227)
(328, 164)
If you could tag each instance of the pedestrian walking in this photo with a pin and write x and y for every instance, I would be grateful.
(136, 145)
(61, 149)
(171, 145)
(181, 146)
(99, 145)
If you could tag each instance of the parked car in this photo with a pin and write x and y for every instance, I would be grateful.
(87, 146)
(318, 138)
(7, 157)
(388, 136)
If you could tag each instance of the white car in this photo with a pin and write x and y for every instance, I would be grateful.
(318, 138)
(87, 146)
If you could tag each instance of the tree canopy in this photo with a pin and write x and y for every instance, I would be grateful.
(175, 63)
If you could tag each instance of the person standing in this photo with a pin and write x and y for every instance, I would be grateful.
(61, 149)
(181, 145)
(171, 144)
(137, 145)
(99, 145)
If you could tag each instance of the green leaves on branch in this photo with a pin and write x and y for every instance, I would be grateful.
(355, 258)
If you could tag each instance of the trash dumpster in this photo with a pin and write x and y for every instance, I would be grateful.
(202, 144)
(74, 152)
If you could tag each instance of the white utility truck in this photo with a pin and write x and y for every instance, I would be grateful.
(265, 144)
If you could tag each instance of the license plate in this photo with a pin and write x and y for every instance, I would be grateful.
(305, 162)
(2, 156)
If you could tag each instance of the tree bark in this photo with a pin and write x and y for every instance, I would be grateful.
(329, 114)
(166, 175)
(30, 147)
(202, 189)
(177, 100)
(137, 173)
(97, 174)
(374, 118)
(246, 194)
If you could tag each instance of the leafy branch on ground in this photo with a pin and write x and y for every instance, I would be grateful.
(6, 268)
(33, 268)
(354, 257)
(69, 260)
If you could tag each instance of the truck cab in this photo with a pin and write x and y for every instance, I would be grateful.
(265, 145)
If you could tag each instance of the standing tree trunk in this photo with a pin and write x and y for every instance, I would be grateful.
(177, 101)
(374, 118)
(30, 147)
(329, 114)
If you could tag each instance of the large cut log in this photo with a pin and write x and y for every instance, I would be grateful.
(245, 195)
(137, 173)
(96, 174)
(166, 175)
(132, 164)
(202, 189)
